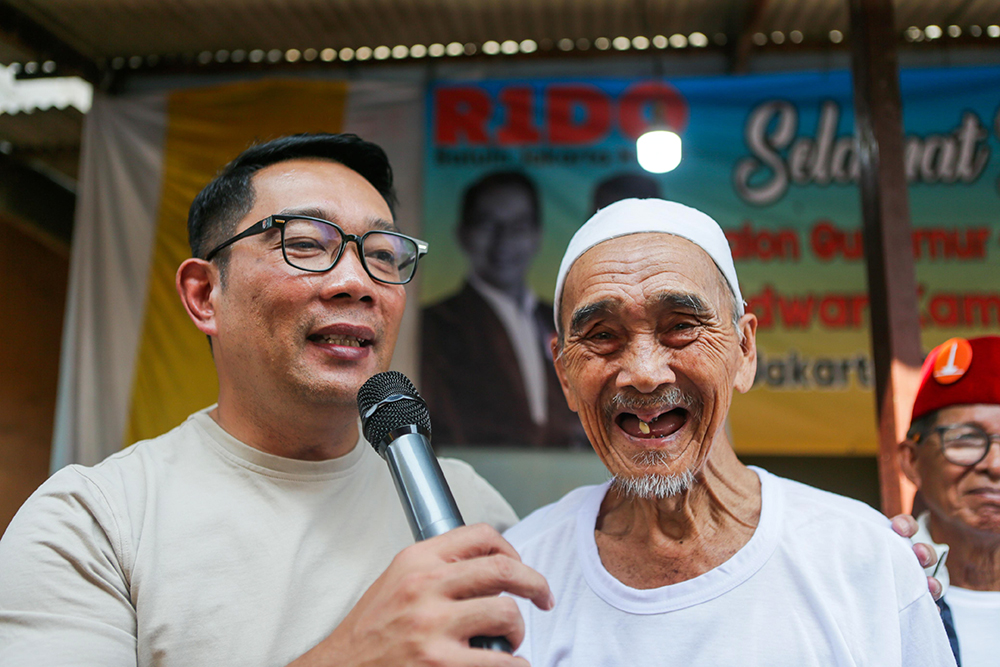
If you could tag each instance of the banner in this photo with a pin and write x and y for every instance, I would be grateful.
(771, 157)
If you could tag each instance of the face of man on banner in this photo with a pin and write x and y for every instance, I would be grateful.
(501, 234)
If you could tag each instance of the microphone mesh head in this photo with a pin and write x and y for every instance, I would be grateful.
(407, 409)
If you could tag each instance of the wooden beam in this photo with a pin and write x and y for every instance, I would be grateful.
(895, 319)
(742, 40)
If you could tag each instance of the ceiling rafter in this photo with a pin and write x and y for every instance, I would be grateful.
(742, 42)
(31, 37)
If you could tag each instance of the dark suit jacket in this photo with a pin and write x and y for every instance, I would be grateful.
(472, 382)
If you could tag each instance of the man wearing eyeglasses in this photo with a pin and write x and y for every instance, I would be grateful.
(949, 454)
(264, 530)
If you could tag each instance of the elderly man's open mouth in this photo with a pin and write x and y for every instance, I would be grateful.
(652, 424)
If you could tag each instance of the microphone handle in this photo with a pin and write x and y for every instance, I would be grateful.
(430, 508)
(427, 501)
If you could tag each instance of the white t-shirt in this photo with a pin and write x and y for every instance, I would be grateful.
(823, 581)
(977, 622)
(196, 549)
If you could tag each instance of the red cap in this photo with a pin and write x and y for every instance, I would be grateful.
(959, 371)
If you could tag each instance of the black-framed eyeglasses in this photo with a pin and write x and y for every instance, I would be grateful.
(964, 444)
(316, 245)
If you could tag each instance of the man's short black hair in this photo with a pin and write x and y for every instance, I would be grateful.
(218, 208)
(497, 179)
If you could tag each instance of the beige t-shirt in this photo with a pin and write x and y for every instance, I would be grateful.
(196, 549)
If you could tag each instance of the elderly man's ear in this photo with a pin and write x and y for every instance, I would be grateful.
(747, 328)
(908, 461)
(557, 361)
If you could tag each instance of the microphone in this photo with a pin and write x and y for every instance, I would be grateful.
(395, 420)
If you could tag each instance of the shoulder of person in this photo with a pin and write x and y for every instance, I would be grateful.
(77, 514)
(156, 453)
(478, 501)
(848, 541)
(66, 565)
(550, 519)
(103, 492)
(811, 503)
(452, 306)
(845, 526)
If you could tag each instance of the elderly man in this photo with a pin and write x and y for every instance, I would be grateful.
(688, 557)
(949, 455)
(264, 530)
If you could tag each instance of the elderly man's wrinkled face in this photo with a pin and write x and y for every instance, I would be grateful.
(651, 356)
(967, 497)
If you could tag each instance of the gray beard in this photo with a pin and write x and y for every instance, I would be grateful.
(653, 487)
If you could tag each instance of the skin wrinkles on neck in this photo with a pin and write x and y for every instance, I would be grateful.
(653, 543)
(973, 558)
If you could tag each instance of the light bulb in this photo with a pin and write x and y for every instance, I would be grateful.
(658, 151)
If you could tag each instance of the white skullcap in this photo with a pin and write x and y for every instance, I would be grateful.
(636, 216)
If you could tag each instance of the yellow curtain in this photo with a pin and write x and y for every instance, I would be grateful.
(207, 127)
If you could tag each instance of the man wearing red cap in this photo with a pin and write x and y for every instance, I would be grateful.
(949, 455)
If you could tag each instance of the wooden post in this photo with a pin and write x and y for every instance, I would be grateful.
(895, 319)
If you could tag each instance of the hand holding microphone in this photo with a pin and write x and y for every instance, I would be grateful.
(441, 591)
(396, 422)
(432, 598)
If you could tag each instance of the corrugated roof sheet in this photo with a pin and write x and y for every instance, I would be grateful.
(110, 28)
(92, 36)
(27, 96)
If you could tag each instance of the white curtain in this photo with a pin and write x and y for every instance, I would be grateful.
(115, 223)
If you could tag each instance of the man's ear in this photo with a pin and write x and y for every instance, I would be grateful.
(908, 461)
(198, 286)
(747, 329)
(557, 361)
